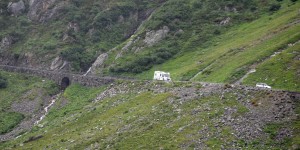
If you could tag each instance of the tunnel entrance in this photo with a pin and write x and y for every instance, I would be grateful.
(65, 82)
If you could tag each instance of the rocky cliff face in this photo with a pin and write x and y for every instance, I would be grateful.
(43, 10)
(36, 10)
(60, 35)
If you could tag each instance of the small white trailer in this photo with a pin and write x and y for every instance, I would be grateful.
(162, 76)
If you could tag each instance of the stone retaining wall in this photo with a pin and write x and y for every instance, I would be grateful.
(92, 81)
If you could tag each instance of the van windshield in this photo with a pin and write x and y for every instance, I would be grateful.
(166, 75)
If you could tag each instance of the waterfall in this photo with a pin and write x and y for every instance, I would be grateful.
(88, 71)
(46, 109)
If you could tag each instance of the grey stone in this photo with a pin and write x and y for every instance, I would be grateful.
(16, 8)
(44, 10)
(153, 37)
(58, 63)
(6, 42)
(99, 63)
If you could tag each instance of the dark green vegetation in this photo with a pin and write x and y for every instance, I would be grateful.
(3, 82)
(21, 89)
(199, 21)
(9, 120)
(78, 31)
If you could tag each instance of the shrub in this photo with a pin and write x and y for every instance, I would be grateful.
(145, 62)
(3, 82)
(274, 7)
(9, 120)
(81, 60)
(217, 32)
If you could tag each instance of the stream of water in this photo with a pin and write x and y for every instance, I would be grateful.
(46, 109)
(88, 71)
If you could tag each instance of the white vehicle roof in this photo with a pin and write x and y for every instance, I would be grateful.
(161, 72)
(261, 84)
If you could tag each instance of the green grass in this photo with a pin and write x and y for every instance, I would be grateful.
(9, 120)
(238, 48)
(75, 98)
(296, 126)
(280, 72)
(143, 121)
(161, 121)
(16, 91)
(129, 121)
(19, 84)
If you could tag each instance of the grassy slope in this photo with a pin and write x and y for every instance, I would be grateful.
(199, 22)
(142, 121)
(239, 48)
(281, 71)
(18, 86)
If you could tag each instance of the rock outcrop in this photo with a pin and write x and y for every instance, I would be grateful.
(58, 64)
(225, 21)
(44, 10)
(6, 42)
(99, 63)
(153, 37)
(16, 8)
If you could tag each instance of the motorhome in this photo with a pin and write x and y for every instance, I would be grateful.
(162, 76)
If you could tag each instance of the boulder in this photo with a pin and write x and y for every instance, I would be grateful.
(225, 21)
(153, 37)
(6, 42)
(44, 10)
(99, 62)
(16, 8)
(58, 63)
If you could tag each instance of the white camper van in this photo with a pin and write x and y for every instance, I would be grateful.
(162, 76)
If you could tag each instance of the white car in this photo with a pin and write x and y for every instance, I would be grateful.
(263, 85)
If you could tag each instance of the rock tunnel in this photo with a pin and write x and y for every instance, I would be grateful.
(65, 82)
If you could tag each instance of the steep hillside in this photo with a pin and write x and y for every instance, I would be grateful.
(153, 115)
(216, 51)
(189, 38)
(221, 42)
(66, 35)
(226, 58)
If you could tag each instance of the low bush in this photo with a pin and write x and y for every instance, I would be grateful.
(3, 82)
(274, 7)
(81, 60)
(145, 62)
(9, 120)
